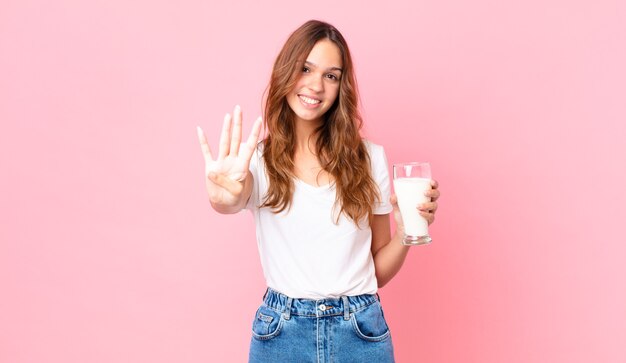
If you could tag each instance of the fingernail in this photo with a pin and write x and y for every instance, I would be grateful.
(199, 130)
(237, 107)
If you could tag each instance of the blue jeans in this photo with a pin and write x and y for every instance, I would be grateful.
(347, 329)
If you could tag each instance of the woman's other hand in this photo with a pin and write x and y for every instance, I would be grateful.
(427, 209)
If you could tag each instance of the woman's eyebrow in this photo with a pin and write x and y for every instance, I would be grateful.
(328, 69)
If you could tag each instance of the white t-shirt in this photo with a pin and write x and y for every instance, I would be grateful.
(304, 254)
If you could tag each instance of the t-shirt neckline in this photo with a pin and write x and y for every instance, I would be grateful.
(313, 187)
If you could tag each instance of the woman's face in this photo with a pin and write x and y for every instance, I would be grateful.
(318, 85)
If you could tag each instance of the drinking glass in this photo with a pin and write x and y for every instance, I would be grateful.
(410, 181)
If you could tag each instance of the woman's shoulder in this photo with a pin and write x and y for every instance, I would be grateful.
(372, 148)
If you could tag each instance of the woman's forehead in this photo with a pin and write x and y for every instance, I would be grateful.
(325, 54)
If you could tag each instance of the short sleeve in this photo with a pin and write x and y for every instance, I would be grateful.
(380, 173)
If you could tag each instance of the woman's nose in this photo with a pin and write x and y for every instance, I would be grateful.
(315, 83)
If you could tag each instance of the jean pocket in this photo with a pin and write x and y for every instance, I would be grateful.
(369, 324)
(267, 323)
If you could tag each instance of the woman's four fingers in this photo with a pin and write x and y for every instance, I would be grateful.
(230, 137)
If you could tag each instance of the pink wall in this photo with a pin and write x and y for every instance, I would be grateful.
(109, 251)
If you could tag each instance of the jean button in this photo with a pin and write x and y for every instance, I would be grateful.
(322, 307)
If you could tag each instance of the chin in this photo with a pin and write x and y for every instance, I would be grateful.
(317, 117)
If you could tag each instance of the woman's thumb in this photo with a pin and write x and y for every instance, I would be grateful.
(232, 186)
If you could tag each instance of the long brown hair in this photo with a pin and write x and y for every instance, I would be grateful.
(339, 147)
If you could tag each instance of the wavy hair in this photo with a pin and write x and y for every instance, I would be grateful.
(339, 145)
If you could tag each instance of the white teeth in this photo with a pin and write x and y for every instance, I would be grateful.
(310, 101)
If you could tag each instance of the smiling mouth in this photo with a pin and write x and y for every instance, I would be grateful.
(309, 100)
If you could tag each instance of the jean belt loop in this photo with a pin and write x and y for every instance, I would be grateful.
(287, 311)
(346, 308)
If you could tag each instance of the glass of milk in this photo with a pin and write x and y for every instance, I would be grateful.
(410, 181)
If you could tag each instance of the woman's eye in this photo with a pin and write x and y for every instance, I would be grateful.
(332, 76)
(305, 69)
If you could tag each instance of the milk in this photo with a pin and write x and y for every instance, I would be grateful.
(410, 193)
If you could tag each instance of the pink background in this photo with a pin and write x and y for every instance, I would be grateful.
(110, 252)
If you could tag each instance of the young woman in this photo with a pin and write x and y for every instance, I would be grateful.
(320, 196)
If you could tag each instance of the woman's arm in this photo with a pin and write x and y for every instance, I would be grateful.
(389, 253)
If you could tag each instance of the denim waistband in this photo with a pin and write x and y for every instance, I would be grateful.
(317, 308)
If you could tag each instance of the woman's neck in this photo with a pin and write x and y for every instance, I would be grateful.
(306, 137)
(307, 164)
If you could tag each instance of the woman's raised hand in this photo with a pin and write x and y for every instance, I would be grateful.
(226, 174)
